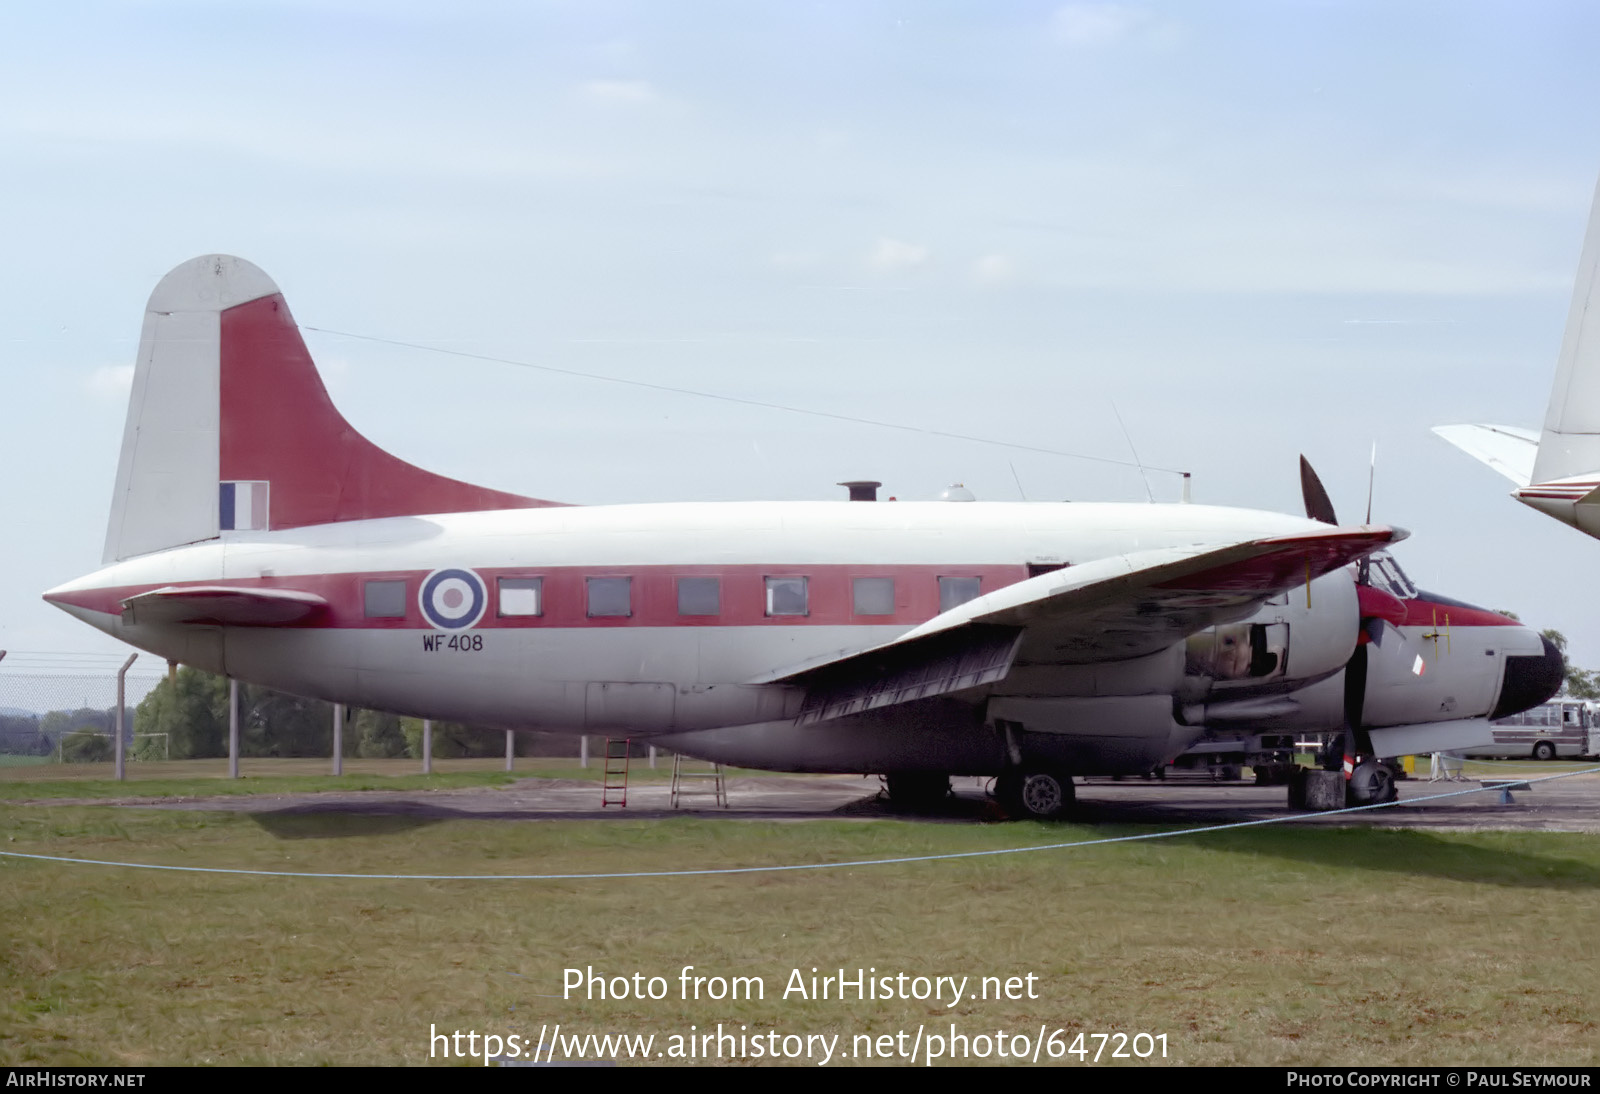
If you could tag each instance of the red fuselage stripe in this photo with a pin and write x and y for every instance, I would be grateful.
(654, 595)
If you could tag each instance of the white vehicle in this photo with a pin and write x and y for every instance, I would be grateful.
(1557, 471)
(1562, 728)
(254, 533)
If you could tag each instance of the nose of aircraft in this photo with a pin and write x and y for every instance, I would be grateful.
(1531, 680)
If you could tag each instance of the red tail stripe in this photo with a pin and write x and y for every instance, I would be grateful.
(278, 425)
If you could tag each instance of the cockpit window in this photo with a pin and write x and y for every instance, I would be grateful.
(1383, 572)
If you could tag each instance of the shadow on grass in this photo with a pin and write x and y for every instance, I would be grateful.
(1465, 857)
(309, 823)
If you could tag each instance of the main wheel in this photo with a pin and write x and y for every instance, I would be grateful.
(1036, 795)
(1544, 750)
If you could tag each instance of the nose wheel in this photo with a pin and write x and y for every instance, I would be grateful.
(1372, 783)
(1036, 795)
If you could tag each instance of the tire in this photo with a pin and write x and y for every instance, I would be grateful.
(1036, 795)
(1372, 783)
(1544, 750)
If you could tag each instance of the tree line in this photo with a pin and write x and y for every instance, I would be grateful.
(191, 709)
(185, 717)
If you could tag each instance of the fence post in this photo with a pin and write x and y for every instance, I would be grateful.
(233, 728)
(122, 702)
(338, 738)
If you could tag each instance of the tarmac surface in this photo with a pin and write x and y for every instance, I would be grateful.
(1561, 805)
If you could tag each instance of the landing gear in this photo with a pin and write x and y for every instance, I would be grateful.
(1372, 783)
(1036, 795)
(917, 791)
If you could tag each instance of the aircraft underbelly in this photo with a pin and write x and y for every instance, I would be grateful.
(600, 681)
(630, 680)
(945, 735)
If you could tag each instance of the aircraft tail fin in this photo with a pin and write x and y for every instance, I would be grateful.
(1570, 443)
(230, 428)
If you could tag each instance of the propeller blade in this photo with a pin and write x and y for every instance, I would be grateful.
(1318, 507)
(1372, 476)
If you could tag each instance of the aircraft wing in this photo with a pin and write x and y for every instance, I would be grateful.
(222, 605)
(1506, 448)
(1110, 609)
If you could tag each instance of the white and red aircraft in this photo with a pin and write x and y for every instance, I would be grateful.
(254, 533)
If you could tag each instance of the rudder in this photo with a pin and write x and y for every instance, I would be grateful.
(230, 428)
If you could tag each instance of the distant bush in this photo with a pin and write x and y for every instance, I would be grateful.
(86, 746)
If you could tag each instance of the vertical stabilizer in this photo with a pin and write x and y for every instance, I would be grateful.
(1570, 443)
(230, 428)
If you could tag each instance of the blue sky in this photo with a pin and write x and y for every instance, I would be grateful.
(1250, 229)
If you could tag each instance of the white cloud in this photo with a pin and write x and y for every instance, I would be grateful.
(893, 255)
(619, 92)
(109, 383)
(993, 270)
(1093, 26)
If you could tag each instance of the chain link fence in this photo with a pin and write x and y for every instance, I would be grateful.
(63, 706)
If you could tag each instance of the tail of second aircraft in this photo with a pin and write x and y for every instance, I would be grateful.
(1558, 472)
(229, 426)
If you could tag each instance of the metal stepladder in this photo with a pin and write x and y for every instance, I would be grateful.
(614, 784)
(718, 787)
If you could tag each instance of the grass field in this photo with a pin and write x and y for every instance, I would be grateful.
(1260, 946)
(194, 778)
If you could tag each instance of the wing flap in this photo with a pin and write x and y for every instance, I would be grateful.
(900, 673)
(222, 606)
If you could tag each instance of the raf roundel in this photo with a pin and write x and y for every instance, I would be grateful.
(452, 599)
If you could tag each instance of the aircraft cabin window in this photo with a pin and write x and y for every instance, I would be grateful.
(385, 599)
(521, 595)
(610, 596)
(874, 595)
(786, 596)
(699, 596)
(957, 590)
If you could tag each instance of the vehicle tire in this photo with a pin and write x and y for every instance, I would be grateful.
(1036, 795)
(1544, 750)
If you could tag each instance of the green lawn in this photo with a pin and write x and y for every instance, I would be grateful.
(199, 778)
(1260, 946)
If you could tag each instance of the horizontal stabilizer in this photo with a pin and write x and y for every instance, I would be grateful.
(222, 605)
(1506, 448)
